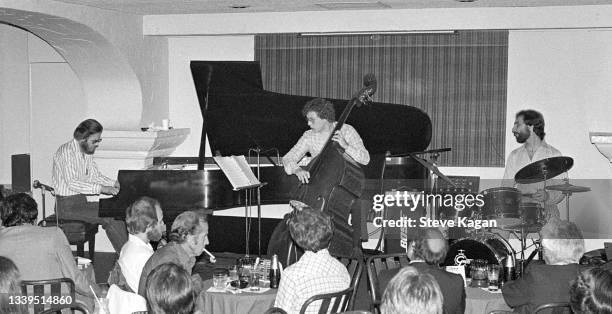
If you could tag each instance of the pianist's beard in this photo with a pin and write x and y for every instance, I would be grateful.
(87, 148)
(154, 235)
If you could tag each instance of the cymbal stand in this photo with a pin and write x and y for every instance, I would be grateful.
(567, 199)
(433, 184)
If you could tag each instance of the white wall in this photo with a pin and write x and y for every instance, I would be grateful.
(184, 106)
(566, 74)
(14, 98)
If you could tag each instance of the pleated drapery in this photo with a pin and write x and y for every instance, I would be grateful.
(459, 79)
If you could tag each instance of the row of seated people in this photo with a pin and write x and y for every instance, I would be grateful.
(560, 280)
(44, 253)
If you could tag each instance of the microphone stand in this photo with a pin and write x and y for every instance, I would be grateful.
(258, 151)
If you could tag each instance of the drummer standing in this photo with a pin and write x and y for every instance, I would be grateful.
(528, 130)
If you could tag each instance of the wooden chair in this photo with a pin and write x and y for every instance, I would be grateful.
(62, 288)
(77, 305)
(275, 310)
(375, 264)
(337, 300)
(557, 307)
(77, 232)
(354, 265)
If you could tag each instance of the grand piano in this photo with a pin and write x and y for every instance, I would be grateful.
(239, 115)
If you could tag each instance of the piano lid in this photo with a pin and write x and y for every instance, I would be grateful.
(239, 114)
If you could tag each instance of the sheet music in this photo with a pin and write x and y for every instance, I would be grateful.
(237, 171)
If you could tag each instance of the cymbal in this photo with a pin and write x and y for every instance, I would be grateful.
(566, 187)
(544, 169)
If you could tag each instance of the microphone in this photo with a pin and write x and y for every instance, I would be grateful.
(37, 185)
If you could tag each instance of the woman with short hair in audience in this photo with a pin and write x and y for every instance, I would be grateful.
(411, 292)
(316, 272)
(10, 287)
(40, 253)
(169, 290)
(591, 292)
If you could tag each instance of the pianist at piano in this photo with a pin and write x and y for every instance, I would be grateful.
(75, 175)
(321, 117)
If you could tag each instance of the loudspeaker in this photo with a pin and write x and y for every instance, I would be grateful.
(397, 238)
(21, 175)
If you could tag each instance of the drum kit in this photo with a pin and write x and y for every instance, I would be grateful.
(505, 206)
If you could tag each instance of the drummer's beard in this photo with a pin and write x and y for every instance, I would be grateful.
(522, 136)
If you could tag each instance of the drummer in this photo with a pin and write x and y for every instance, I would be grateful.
(528, 130)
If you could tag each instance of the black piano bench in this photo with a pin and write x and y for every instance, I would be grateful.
(78, 232)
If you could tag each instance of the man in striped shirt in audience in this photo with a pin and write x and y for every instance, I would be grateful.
(76, 175)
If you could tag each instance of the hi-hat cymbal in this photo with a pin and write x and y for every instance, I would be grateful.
(544, 169)
(566, 187)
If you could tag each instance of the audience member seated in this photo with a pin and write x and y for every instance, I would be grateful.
(563, 245)
(425, 254)
(144, 220)
(591, 292)
(412, 292)
(10, 287)
(40, 253)
(316, 272)
(170, 290)
(188, 237)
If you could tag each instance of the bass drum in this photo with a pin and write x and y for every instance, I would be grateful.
(490, 247)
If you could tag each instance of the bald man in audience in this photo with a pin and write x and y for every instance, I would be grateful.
(563, 245)
(425, 254)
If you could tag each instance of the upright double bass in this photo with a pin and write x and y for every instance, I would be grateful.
(336, 183)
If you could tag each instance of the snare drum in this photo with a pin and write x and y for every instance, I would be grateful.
(531, 213)
(502, 204)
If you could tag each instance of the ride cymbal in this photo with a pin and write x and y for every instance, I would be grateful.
(566, 187)
(544, 169)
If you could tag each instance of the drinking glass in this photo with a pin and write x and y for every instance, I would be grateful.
(219, 281)
(478, 269)
(233, 272)
(220, 276)
(254, 280)
(493, 272)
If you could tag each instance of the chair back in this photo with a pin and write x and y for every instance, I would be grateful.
(78, 306)
(330, 302)
(354, 266)
(60, 290)
(377, 263)
(557, 307)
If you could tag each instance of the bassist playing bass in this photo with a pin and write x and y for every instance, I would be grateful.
(332, 181)
(321, 117)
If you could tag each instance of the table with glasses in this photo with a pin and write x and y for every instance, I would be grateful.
(227, 302)
(479, 301)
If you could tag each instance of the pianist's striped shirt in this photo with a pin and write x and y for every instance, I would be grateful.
(75, 172)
